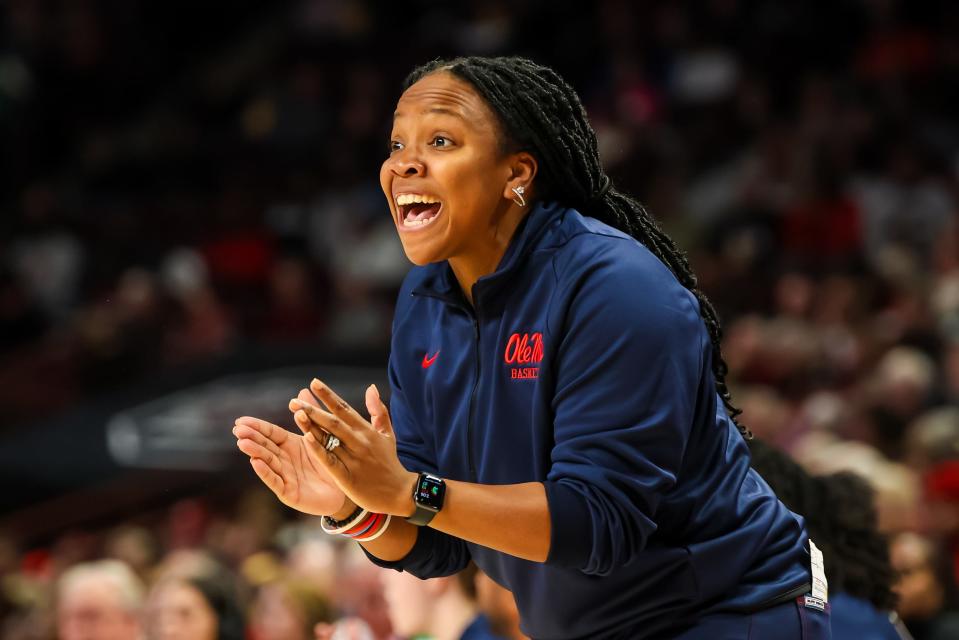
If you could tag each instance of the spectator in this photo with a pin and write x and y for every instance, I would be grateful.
(842, 522)
(926, 589)
(99, 600)
(287, 610)
(201, 607)
(438, 609)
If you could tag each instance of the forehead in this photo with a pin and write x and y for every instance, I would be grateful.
(90, 593)
(442, 92)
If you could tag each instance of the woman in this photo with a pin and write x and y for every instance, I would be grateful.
(194, 608)
(440, 609)
(288, 609)
(556, 376)
(839, 510)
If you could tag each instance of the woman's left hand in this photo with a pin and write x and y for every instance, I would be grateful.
(365, 464)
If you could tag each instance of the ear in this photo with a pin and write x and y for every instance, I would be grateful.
(522, 171)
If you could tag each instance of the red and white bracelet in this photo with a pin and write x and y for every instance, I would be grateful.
(362, 525)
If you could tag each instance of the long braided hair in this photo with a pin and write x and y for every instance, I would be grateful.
(840, 513)
(539, 112)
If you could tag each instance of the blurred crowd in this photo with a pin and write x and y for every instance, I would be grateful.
(250, 571)
(168, 204)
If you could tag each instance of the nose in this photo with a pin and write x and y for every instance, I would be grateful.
(405, 164)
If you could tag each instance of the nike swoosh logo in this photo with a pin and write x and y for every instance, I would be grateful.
(428, 362)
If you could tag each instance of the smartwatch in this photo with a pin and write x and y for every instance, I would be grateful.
(428, 495)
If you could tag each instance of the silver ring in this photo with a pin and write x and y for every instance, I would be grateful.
(332, 442)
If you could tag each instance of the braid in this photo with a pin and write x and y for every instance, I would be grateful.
(840, 513)
(541, 113)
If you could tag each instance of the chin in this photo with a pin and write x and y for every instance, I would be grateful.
(422, 256)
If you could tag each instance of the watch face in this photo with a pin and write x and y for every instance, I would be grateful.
(430, 492)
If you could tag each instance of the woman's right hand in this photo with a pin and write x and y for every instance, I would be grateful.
(283, 461)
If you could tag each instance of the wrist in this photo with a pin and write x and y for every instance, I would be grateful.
(405, 505)
(344, 511)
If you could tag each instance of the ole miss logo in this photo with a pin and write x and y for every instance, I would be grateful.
(524, 352)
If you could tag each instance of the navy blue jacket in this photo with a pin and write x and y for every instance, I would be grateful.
(584, 364)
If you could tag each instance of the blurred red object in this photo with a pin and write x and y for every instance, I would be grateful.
(37, 564)
(942, 481)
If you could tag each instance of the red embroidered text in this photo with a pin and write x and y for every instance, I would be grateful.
(524, 349)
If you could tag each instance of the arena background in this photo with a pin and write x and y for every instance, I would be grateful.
(192, 228)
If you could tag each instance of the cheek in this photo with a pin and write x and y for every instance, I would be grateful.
(385, 182)
(474, 193)
(206, 625)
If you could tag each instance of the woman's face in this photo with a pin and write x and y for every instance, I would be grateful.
(918, 588)
(178, 611)
(446, 179)
(408, 603)
(276, 615)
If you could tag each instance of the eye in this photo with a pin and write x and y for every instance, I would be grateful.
(394, 146)
(441, 142)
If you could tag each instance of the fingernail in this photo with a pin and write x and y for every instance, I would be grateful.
(375, 389)
(317, 382)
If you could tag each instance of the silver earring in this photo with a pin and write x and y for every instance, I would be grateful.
(519, 191)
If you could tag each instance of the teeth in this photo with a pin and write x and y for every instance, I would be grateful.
(409, 222)
(410, 198)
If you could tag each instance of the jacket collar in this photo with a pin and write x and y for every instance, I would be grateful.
(439, 281)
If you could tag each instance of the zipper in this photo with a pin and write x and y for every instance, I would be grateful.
(473, 315)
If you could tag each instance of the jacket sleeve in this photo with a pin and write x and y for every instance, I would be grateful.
(435, 553)
(628, 371)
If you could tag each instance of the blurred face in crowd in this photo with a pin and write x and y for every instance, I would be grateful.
(276, 616)
(447, 179)
(94, 610)
(409, 602)
(920, 593)
(178, 611)
(359, 591)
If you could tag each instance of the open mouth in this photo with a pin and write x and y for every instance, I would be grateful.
(417, 210)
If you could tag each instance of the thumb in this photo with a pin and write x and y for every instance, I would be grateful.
(379, 414)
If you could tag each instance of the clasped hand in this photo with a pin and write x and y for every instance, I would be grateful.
(306, 476)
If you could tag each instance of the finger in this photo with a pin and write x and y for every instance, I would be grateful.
(271, 479)
(277, 434)
(336, 405)
(333, 462)
(255, 451)
(244, 432)
(307, 396)
(320, 437)
(379, 414)
(310, 418)
(317, 436)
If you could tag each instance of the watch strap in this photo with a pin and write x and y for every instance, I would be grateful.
(422, 516)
